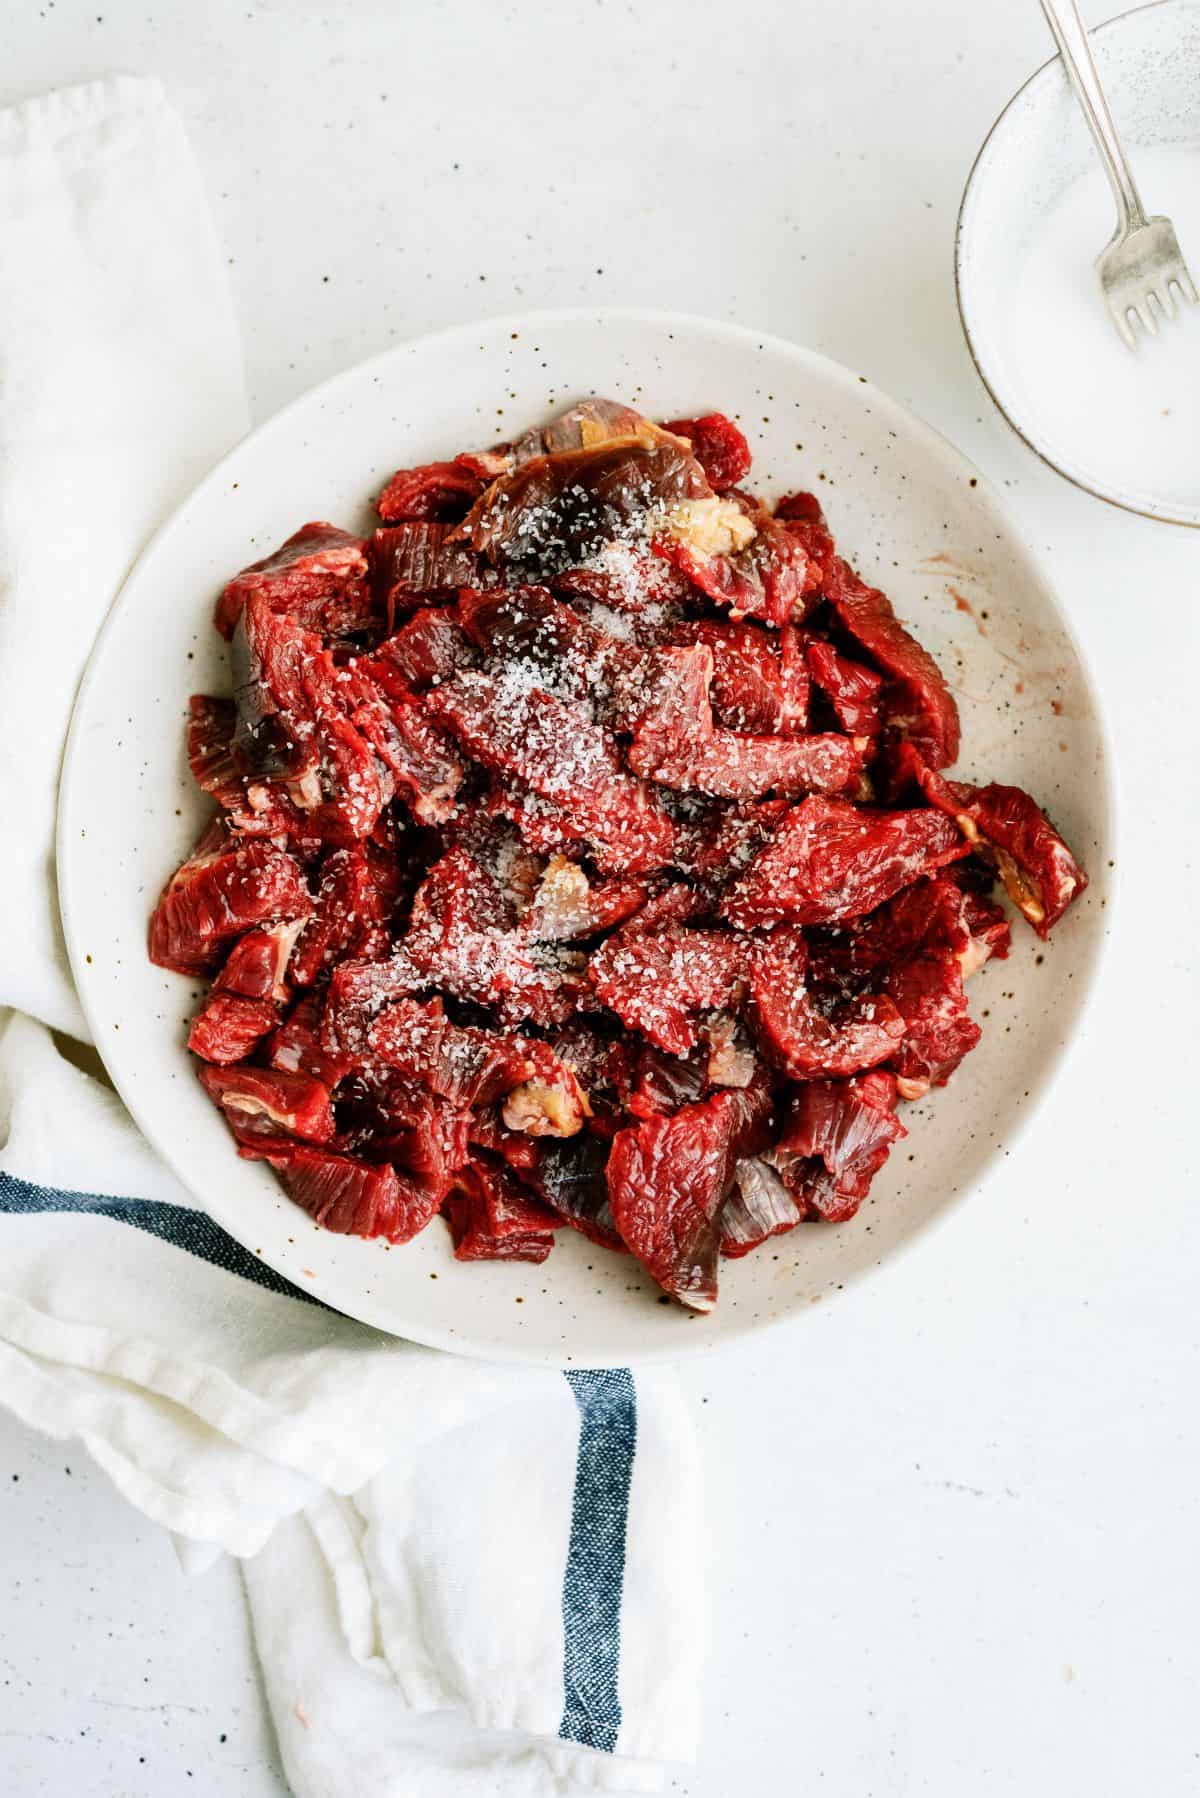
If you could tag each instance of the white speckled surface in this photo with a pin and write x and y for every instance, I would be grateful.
(955, 1528)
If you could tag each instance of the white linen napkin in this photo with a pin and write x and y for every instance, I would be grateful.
(120, 385)
(459, 1573)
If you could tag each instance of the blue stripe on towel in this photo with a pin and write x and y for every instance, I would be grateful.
(595, 1570)
(183, 1229)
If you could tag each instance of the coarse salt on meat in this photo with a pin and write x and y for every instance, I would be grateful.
(582, 858)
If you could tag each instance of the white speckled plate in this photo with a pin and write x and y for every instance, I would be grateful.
(904, 504)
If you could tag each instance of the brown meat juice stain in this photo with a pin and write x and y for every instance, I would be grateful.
(963, 604)
(942, 560)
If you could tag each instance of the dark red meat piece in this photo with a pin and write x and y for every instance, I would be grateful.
(676, 743)
(437, 493)
(852, 690)
(491, 1219)
(351, 1197)
(263, 1102)
(1003, 824)
(358, 992)
(934, 914)
(227, 1027)
(550, 1101)
(466, 1066)
(224, 888)
(292, 723)
(604, 1065)
(487, 1130)
(295, 1048)
(461, 941)
(771, 579)
(829, 860)
(573, 659)
(211, 724)
(352, 783)
(726, 841)
(801, 1038)
(929, 914)
(726, 583)
(428, 648)
(777, 566)
(923, 709)
(718, 446)
(801, 515)
(837, 1135)
(463, 937)
(665, 1082)
(801, 508)
(347, 910)
(675, 715)
(434, 1146)
(759, 1207)
(425, 767)
(570, 1177)
(259, 964)
(668, 1178)
(542, 1095)
(554, 752)
(671, 904)
(385, 1118)
(319, 576)
(730, 766)
(510, 870)
(558, 509)
(640, 587)
(247, 995)
(487, 464)
(990, 936)
(275, 735)
(928, 993)
(760, 681)
(657, 981)
(252, 807)
(410, 561)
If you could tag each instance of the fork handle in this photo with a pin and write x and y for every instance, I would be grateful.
(1071, 38)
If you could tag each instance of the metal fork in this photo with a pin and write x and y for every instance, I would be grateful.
(1143, 262)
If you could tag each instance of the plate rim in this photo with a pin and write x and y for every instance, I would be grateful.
(936, 441)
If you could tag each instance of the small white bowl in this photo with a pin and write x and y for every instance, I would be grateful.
(1036, 213)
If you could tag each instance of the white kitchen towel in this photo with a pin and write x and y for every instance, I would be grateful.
(463, 1577)
(120, 385)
